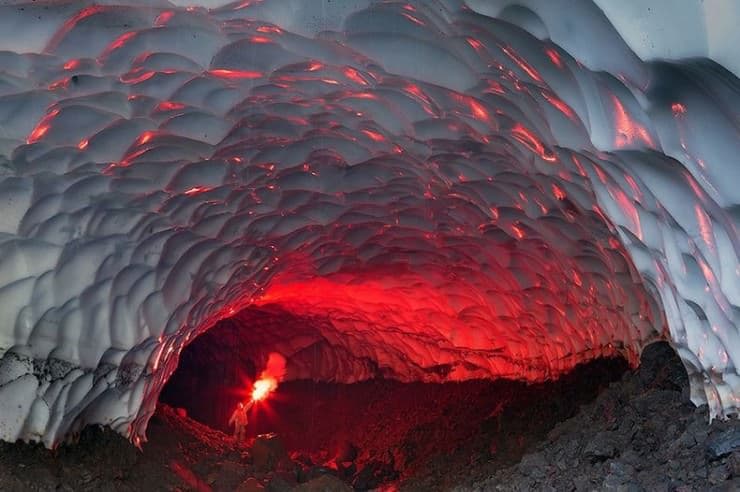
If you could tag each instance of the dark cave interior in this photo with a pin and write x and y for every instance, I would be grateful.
(403, 426)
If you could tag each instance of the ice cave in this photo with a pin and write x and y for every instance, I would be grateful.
(418, 191)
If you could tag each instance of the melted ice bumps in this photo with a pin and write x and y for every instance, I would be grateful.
(441, 191)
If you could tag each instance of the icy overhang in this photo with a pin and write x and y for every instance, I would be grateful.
(441, 194)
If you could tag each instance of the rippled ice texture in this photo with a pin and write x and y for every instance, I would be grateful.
(439, 191)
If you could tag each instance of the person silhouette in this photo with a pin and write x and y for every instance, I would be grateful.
(239, 420)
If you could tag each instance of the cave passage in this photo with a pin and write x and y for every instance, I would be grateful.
(405, 426)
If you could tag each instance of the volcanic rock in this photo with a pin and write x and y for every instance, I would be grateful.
(268, 452)
(324, 483)
(724, 444)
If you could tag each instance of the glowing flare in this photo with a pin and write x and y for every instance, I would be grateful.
(262, 388)
(268, 381)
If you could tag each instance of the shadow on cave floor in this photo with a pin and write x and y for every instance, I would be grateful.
(596, 428)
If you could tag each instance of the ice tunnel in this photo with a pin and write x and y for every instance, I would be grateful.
(423, 190)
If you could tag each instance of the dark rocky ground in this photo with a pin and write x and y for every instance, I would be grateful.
(598, 428)
(640, 434)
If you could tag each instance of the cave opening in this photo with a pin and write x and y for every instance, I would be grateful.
(410, 430)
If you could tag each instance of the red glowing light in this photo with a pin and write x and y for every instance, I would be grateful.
(558, 192)
(705, 225)
(528, 138)
(678, 109)
(59, 84)
(528, 69)
(374, 136)
(412, 18)
(196, 190)
(83, 144)
(72, 64)
(629, 210)
(118, 42)
(269, 29)
(136, 76)
(269, 378)
(234, 74)
(169, 106)
(559, 105)
(163, 18)
(518, 231)
(145, 137)
(260, 39)
(262, 388)
(71, 23)
(494, 88)
(628, 130)
(42, 128)
(554, 57)
(477, 45)
(636, 193)
(354, 76)
(364, 95)
(415, 90)
(314, 66)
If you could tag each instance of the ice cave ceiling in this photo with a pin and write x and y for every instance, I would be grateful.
(431, 190)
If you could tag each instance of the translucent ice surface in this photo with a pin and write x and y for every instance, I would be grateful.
(441, 190)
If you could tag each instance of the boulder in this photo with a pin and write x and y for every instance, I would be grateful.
(724, 443)
(268, 452)
(601, 447)
(374, 474)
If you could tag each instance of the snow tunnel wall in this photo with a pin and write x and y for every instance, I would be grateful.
(441, 192)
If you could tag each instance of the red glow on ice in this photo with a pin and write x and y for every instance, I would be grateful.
(59, 84)
(163, 18)
(145, 137)
(412, 19)
(169, 106)
(269, 29)
(554, 57)
(629, 209)
(260, 39)
(526, 67)
(118, 43)
(479, 111)
(223, 73)
(354, 76)
(374, 136)
(42, 128)
(197, 190)
(494, 88)
(477, 45)
(678, 109)
(628, 130)
(705, 226)
(559, 105)
(71, 23)
(528, 138)
(83, 144)
(72, 64)
(136, 76)
(558, 192)
(314, 66)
